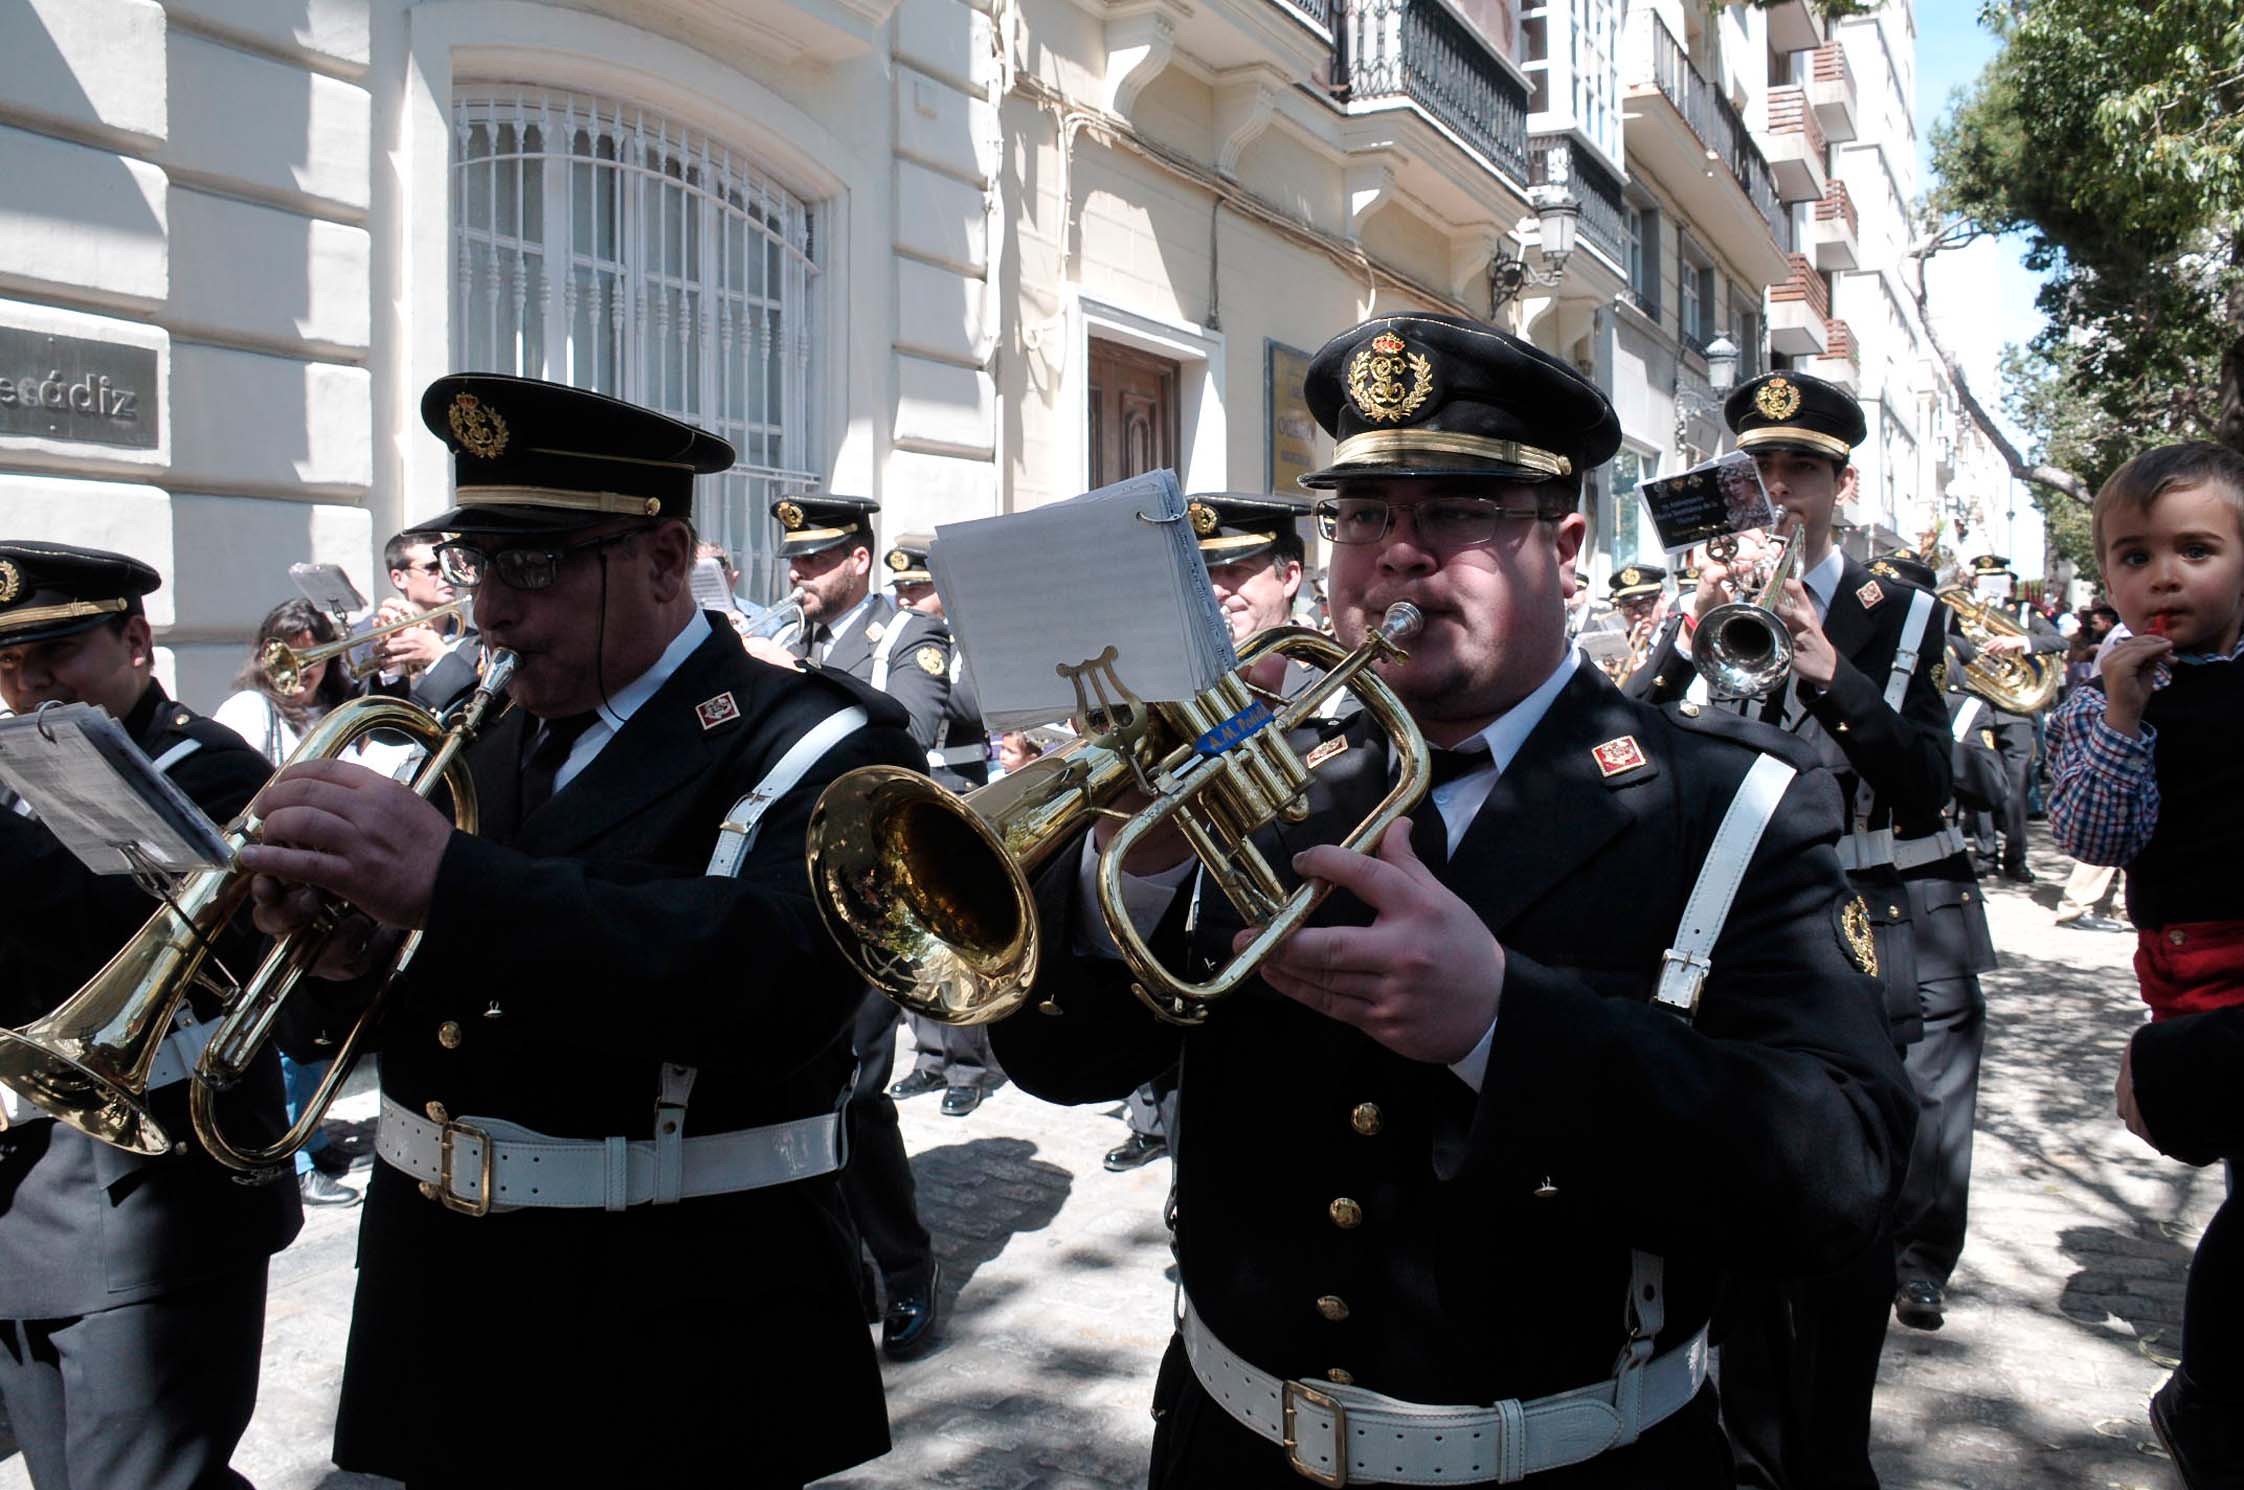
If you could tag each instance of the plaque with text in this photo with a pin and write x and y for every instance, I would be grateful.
(74, 389)
(1291, 441)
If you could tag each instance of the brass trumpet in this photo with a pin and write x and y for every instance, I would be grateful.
(284, 666)
(87, 1063)
(927, 891)
(1743, 648)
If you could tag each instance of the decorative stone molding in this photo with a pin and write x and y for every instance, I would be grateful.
(1246, 100)
(1139, 47)
(1369, 187)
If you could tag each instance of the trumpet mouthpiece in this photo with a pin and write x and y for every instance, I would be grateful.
(1402, 622)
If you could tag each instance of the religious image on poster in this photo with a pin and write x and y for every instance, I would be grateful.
(1717, 497)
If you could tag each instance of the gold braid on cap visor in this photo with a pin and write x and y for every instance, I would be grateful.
(1375, 446)
(1814, 439)
(618, 503)
(16, 620)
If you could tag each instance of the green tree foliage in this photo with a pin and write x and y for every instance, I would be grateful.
(2112, 136)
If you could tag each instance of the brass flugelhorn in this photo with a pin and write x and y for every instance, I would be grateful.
(87, 1063)
(284, 666)
(2015, 682)
(1743, 648)
(927, 891)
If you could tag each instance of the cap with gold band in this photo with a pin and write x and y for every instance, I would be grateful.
(1632, 580)
(811, 523)
(1990, 564)
(1793, 411)
(1434, 396)
(52, 590)
(906, 560)
(1233, 527)
(1906, 564)
(535, 457)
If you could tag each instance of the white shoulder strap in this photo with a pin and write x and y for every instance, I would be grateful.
(887, 648)
(1964, 718)
(172, 757)
(1921, 603)
(1685, 965)
(738, 835)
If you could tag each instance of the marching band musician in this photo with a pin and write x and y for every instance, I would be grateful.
(610, 1078)
(1635, 591)
(1465, 1141)
(132, 1289)
(1997, 586)
(1798, 1370)
(433, 665)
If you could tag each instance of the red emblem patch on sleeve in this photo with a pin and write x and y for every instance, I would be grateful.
(1615, 756)
(715, 711)
(1869, 594)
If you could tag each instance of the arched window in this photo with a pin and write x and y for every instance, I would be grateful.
(602, 246)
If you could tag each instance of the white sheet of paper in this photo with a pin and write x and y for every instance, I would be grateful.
(1029, 592)
(94, 789)
(710, 591)
(328, 587)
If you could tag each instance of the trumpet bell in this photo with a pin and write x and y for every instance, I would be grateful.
(1743, 650)
(917, 888)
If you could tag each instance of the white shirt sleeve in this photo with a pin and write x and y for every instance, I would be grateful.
(1473, 1068)
(1145, 897)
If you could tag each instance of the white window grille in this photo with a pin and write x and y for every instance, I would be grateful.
(602, 246)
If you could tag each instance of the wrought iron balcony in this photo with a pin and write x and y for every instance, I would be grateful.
(1318, 12)
(1419, 50)
(1555, 160)
(1717, 125)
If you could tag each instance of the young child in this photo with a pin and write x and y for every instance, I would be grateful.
(2149, 775)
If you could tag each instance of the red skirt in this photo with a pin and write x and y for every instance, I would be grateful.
(2188, 967)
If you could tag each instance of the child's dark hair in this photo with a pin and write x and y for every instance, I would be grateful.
(2135, 486)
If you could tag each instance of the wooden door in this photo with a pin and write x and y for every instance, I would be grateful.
(1133, 413)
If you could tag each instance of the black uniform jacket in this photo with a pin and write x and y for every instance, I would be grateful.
(1895, 770)
(567, 957)
(1766, 1138)
(919, 662)
(84, 1226)
(962, 727)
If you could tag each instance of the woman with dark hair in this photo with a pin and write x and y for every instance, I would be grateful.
(274, 722)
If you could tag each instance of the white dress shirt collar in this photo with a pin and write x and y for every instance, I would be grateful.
(616, 711)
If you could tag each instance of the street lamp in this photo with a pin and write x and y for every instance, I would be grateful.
(1557, 214)
(1721, 376)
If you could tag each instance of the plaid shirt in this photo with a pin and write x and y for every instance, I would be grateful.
(2104, 806)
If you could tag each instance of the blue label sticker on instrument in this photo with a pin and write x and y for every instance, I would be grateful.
(1233, 730)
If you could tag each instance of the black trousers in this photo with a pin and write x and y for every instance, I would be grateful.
(960, 1054)
(1944, 1068)
(146, 1396)
(2014, 740)
(877, 1182)
(2212, 1352)
(1798, 1364)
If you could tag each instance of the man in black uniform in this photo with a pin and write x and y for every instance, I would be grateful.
(1800, 1363)
(435, 665)
(1505, 1143)
(132, 1289)
(604, 1243)
(828, 545)
(952, 1059)
(1996, 587)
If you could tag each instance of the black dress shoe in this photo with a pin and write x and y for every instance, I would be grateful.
(2019, 876)
(908, 1329)
(321, 1189)
(2207, 1444)
(918, 1084)
(330, 1160)
(1137, 1149)
(1919, 1305)
(961, 1100)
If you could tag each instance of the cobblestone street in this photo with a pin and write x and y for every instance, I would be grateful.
(2062, 1317)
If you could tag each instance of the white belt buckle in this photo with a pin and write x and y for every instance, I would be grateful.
(446, 1191)
(1288, 1393)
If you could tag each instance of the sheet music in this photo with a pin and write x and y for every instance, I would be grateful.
(87, 781)
(328, 587)
(710, 591)
(1029, 592)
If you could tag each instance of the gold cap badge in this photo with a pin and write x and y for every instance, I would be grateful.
(1632, 575)
(1204, 518)
(1778, 398)
(898, 560)
(480, 431)
(1376, 379)
(790, 516)
(11, 583)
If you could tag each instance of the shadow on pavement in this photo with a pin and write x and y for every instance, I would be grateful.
(2010, 1441)
(975, 1197)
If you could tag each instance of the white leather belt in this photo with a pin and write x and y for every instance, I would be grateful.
(479, 1165)
(1875, 850)
(175, 1062)
(1344, 1435)
(955, 755)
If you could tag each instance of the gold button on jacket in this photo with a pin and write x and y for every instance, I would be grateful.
(1346, 1214)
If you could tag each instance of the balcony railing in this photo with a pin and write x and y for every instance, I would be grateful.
(1717, 125)
(1419, 50)
(1831, 64)
(1555, 160)
(1838, 203)
(1804, 285)
(1839, 341)
(1318, 12)
(1789, 113)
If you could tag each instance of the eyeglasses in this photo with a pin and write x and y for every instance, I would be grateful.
(423, 566)
(1441, 523)
(519, 568)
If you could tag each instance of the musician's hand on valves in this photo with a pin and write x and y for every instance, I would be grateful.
(764, 649)
(2004, 643)
(1814, 659)
(352, 950)
(354, 833)
(1423, 979)
(412, 649)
